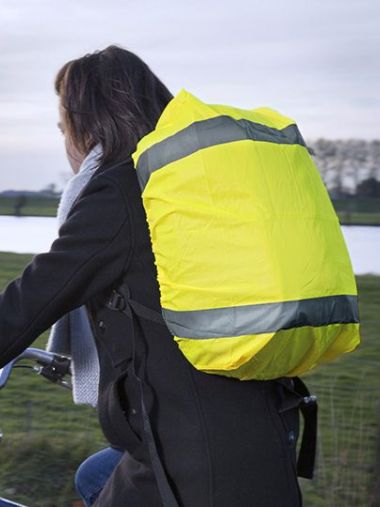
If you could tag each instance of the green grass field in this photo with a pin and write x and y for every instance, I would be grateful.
(348, 218)
(46, 436)
(33, 207)
(358, 211)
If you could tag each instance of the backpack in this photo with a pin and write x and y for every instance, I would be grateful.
(255, 278)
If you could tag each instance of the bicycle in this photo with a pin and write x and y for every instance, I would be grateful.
(54, 367)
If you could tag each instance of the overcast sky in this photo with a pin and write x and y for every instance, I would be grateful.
(317, 62)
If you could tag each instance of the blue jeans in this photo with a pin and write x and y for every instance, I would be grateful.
(9, 503)
(94, 472)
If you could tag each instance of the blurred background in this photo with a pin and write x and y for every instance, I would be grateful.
(315, 62)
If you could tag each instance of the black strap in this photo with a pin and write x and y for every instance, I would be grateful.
(121, 301)
(309, 410)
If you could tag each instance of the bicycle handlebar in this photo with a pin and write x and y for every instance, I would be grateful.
(52, 366)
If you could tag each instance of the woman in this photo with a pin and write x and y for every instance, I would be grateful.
(192, 439)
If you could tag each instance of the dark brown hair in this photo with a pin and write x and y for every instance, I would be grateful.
(110, 97)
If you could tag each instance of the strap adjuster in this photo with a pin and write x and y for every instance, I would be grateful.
(309, 400)
(116, 301)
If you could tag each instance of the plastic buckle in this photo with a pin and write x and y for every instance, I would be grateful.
(309, 400)
(116, 301)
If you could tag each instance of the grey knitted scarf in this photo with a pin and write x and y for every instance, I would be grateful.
(71, 335)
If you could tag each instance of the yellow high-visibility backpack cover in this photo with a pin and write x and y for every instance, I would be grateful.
(254, 274)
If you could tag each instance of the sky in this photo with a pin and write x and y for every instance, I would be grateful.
(315, 61)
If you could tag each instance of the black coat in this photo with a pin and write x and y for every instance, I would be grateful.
(222, 441)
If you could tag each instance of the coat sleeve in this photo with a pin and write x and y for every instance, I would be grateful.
(91, 252)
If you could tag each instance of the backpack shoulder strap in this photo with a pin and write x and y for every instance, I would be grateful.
(121, 301)
(307, 404)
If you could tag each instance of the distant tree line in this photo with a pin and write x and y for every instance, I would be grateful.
(348, 167)
(50, 191)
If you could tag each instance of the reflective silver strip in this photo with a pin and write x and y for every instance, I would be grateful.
(206, 133)
(262, 318)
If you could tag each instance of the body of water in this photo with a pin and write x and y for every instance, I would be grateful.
(35, 234)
